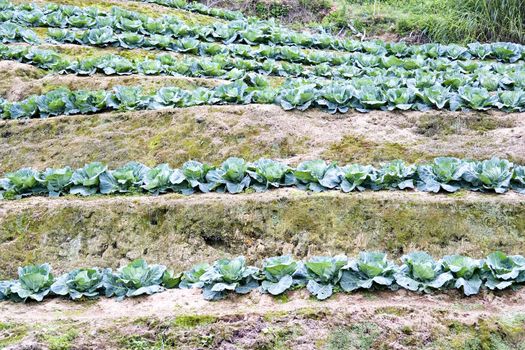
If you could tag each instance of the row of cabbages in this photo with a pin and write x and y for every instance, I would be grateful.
(102, 37)
(63, 10)
(358, 94)
(193, 6)
(321, 275)
(492, 76)
(252, 32)
(129, 40)
(235, 175)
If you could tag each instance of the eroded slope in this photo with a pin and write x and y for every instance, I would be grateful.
(181, 231)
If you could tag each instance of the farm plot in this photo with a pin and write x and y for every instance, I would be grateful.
(359, 194)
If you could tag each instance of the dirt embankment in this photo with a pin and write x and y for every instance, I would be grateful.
(180, 231)
(213, 133)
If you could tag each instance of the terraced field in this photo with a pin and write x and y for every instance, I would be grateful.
(289, 190)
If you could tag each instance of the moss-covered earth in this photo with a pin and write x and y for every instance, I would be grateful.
(180, 319)
(181, 231)
(213, 133)
(22, 81)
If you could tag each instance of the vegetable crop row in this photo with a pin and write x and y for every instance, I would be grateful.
(235, 175)
(102, 37)
(492, 76)
(360, 94)
(321, 275)
(439, 81)
(251, 32)
(198, 8)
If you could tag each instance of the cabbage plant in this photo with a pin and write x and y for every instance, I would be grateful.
(5, 289)
(116, 65)
(356, 176)
(317, 175)
(393, 175)
(200, 96)
(171, 279)
(130, 40)
(187, 45)
(336, 98)
(157, 180)
(511, 101)
(86, 66)
(228, 275)
(323, 274)
(34, 282)
(24, 109)
(501, 271)
(59, 35)
(269, 173)
(420, 273)
(369, 270)
(279, 274)
(466, 272)
(22, 182)
(53, 103)
(369, 97)
(444, 173)
(492, 174)
(150, 67)
(236, 92)
(84, 102)
(127, 98)
(436, 96)
(134, 279)
(192, 277)
(400, 98)
(85, 181)
(300, 98)
(231, 176)
(168, 97)
(194, 174)
(507, 52)
(477, 98)
(98, 36)
(56, 181)
(518, 179)
(124, 179)
(80, 283)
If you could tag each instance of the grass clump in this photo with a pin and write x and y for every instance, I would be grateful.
(358, 336)
(443, 21)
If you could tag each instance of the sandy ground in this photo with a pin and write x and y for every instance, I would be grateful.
(181, 319)
(283, 193)
(183, 302)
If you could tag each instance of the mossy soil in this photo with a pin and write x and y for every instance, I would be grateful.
(22, 80)
(213, 133)
(180, 319)
(181, 231)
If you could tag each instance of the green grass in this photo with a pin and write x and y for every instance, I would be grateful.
(357, 336)
(444, 21)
